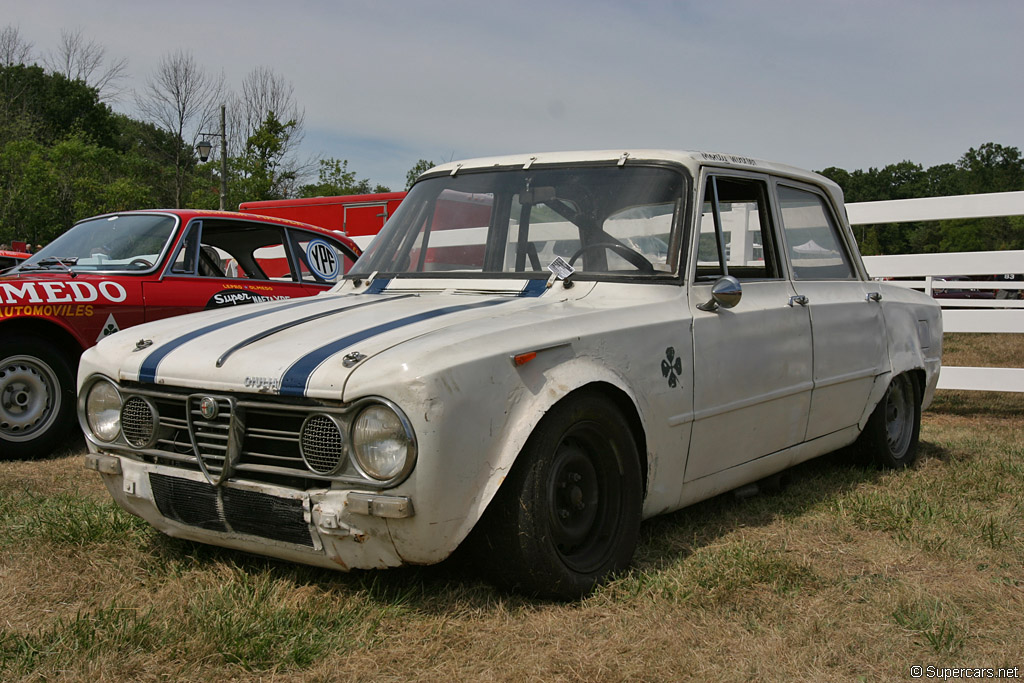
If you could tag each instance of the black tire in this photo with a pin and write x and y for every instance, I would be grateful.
(891, 435)
(37, 396)
(568, 515)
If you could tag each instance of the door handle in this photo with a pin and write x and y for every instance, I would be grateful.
(874, 296)
(798, 299)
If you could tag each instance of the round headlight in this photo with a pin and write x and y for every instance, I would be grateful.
(103, 411)
(382, 444)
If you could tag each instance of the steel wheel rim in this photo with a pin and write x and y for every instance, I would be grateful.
(584, 498)
(899, 416)
(29, 397)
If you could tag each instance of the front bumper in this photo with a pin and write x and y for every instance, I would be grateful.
(337, 529)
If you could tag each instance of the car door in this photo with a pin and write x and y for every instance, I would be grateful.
(846, 315)
(752, 363)
(223, 262)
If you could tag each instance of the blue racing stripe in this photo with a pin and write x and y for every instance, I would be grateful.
(534, 288)
(378, 286)
(293, 382)
(147, 372)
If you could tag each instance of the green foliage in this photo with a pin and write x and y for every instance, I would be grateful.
(421, 166)
(335, 179)
(990, 168)
(47, 107)
(258, 173)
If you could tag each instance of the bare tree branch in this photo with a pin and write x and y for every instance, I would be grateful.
(83, 60)
(13, 48)
(264, 92)
(181, 98)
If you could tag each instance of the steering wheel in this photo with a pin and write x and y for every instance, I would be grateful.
(140, 262)
(635, 258)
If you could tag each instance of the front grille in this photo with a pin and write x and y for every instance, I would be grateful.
(211, 436)
(322, 442)
(265, 439)
(137, 422)
(216, 508)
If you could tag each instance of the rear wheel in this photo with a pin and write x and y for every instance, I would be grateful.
(891, 435)
(568, 515)
(37, 396)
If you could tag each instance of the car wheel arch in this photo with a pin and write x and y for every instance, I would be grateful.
(54, 332)
(609, 386)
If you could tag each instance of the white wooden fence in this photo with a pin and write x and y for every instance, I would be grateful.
(926, 272)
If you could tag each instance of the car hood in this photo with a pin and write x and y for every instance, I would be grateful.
(306, 347)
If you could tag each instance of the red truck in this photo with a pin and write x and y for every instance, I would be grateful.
(358, 216)
(117, 270)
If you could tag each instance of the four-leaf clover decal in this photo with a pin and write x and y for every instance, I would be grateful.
(671, 367)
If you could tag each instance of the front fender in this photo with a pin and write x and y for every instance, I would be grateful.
(468, 440)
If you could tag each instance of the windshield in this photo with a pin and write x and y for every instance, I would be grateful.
(606, 222)
(130, 243)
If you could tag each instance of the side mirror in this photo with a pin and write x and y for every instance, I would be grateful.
(726, 292)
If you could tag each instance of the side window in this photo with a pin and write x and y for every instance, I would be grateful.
(185, 260)
(321, 261)
(735, 231)
(227, 249)
(815, 249)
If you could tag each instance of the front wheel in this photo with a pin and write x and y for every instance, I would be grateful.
(37, 396)
(891, 435)
(568, 515)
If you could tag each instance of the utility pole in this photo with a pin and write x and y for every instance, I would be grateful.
(223, 161)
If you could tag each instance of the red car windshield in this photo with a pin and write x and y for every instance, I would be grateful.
(128, 243)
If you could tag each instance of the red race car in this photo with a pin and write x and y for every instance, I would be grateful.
(114, 271)
(9, 259)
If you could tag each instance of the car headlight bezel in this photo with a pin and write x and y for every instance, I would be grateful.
(101, 414)
(383, 443)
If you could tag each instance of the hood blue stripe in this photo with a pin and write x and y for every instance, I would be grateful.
(147, 372)
(293, 382)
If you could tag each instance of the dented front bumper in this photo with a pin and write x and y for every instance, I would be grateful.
(337, 529)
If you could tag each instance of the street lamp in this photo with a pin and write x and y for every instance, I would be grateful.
(205, 147)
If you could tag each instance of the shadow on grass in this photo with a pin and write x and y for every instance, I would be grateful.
(457, 582)
(973, 404)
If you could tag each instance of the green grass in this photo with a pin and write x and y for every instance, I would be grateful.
(848, 573)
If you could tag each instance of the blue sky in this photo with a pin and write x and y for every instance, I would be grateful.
(853, 84)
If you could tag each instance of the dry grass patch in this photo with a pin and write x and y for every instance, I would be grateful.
(847, 574)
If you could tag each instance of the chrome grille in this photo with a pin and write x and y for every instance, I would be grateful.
(323, 444)
(138, 422)
(268, 438)
(212, 437)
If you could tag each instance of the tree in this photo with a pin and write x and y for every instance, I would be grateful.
(49, 107)
(420, 166)
(180, 98)
(336, 179)
(992, 168)
(265, 93)
(81, 60)
(13, 48)
(258, 173)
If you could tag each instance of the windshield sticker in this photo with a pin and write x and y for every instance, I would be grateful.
(109, 327)
(237, 297)
(323, 259)
(560, 268)
(62, 292)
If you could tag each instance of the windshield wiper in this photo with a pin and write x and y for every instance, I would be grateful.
(64, 262)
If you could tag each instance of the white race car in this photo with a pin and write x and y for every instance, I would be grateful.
(536, 353)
